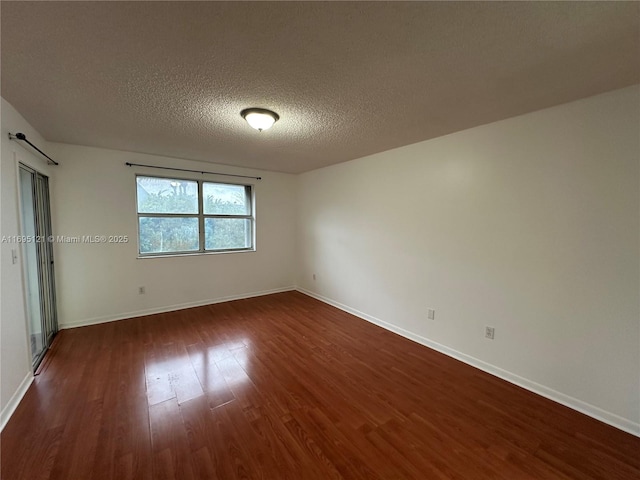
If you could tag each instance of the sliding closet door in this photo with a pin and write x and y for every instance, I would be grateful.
(38, 261)
(45, 254)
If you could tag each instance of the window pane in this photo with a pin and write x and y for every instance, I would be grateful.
(165, 195)
(168, 234)
(227, 233)
(222, 199)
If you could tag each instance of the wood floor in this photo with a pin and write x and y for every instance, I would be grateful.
(285, 387)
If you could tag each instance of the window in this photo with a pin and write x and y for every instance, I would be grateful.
(179, 216)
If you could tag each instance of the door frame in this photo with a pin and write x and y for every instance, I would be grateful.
(49, 323)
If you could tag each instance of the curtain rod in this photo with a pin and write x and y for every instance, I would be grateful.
(23, 137)
(128, 164)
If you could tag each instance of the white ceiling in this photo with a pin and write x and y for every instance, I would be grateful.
(347, 78)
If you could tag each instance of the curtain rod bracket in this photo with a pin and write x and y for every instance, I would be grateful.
(23, 137)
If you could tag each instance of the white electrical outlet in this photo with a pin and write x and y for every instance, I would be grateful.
(142, 290)
(431, 314)
(489, 332)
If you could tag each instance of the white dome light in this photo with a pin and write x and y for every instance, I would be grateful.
(259, 118)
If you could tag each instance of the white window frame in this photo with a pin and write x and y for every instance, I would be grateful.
(201, 216)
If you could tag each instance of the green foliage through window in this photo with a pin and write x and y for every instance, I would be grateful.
(170, 220)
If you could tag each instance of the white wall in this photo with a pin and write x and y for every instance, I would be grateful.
(15, 357)
(98, 282)
(529, 225)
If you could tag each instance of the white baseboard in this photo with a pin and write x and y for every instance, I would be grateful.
(14, 401)
(566, 400)
(169, 308)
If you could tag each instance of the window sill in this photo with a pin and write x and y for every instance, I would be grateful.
(192, 254)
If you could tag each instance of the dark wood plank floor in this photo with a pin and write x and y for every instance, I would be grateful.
(285, 387)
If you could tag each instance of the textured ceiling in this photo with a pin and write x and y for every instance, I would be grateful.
(347, 78)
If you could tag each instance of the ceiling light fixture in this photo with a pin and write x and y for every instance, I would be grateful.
(260, 118)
